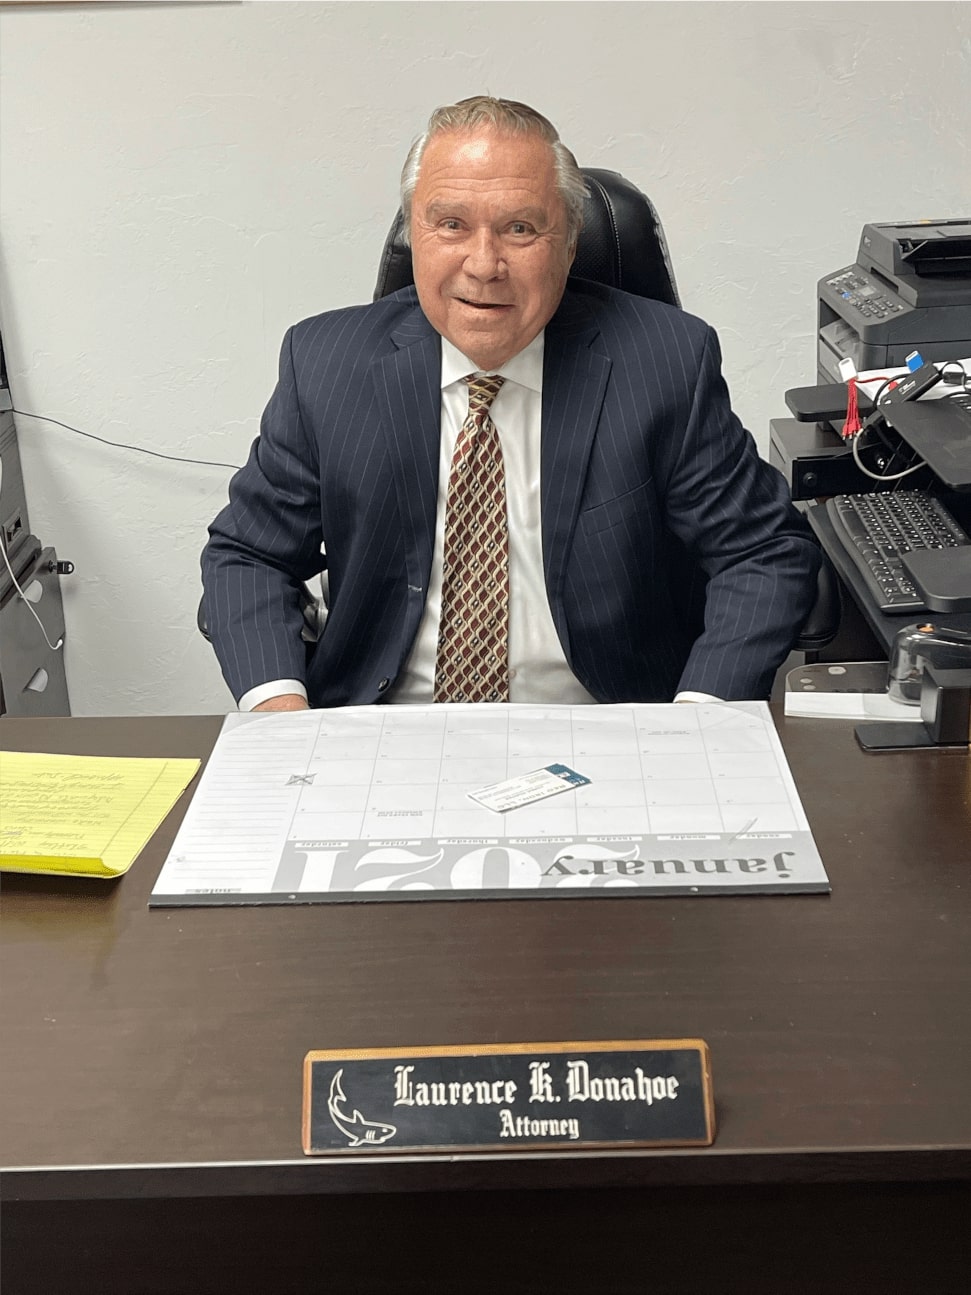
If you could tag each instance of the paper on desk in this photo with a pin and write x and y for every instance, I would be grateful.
(372, 802)
(848, 705)
(871, 380)
(80, 814)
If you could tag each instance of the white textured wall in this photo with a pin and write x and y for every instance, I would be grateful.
(181, 183)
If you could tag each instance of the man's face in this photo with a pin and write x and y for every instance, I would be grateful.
(489, 241)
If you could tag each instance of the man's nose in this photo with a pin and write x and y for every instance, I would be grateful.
(484, 259)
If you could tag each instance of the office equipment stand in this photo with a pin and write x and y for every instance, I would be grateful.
(814, 460)
(32, 679)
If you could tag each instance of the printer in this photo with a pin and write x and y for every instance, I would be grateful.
(909, 289)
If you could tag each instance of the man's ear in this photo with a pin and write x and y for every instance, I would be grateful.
(576, 243)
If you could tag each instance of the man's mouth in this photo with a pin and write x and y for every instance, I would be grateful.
(484, 305)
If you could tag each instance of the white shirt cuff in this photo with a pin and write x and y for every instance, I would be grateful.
(684, 696)
(275, 688)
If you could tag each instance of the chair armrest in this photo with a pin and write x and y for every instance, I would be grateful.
(824, 619)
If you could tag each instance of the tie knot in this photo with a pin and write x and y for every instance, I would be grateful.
(482, 392)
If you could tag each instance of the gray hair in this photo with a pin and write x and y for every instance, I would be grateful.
(511, 118)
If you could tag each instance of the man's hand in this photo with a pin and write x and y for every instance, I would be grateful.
(287, 701)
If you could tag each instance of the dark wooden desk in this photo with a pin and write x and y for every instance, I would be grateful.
(150, 1116)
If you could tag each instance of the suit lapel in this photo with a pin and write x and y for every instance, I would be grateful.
(574, 381)
(408, 388)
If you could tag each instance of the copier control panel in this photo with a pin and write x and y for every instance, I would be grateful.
(859, 292)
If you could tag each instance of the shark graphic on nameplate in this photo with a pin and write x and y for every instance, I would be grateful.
(493, 801)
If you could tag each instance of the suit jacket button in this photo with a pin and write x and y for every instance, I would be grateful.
(383, 685)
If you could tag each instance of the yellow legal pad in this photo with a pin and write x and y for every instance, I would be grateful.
(83, 814)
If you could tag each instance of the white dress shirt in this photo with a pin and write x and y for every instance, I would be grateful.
(538, 671)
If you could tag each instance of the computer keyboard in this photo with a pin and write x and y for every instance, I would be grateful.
(876, 529)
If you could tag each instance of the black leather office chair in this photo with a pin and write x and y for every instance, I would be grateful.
(622, 245)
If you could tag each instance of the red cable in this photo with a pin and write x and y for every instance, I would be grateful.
(852, 424)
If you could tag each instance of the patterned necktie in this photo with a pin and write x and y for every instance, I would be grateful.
(472, 662)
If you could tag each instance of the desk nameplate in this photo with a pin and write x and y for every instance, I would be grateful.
(614, 1094)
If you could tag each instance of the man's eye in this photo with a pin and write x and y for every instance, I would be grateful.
(520, 227)
(451, 225)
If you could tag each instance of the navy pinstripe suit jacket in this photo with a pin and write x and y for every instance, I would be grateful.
(650, 486)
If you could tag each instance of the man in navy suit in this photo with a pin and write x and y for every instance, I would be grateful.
(652, 555)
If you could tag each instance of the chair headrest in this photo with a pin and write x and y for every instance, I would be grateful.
(621, 244)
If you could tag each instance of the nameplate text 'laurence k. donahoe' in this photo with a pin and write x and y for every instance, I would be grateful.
(508, 1097)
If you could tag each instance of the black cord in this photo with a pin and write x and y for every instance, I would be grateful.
(120, 445)
(961, 381)
(892, 445)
